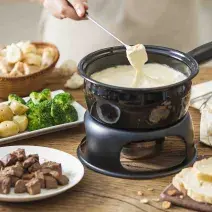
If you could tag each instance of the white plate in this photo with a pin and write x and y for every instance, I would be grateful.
(27, 134)
(71, 167)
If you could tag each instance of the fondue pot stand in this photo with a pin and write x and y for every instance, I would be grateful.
(118, 117)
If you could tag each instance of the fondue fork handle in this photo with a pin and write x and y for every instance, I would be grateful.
(99, 25)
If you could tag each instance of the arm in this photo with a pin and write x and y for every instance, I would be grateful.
(63, 9)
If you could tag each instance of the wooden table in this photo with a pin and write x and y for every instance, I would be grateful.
(97, 192)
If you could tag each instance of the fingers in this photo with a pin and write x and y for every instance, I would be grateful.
(63, 9)
(80, 7)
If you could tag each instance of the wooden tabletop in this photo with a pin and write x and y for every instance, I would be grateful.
(98, 192)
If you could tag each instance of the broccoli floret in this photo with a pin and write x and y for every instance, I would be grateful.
(63, 98)
(39, 116)
(40, 97)
(61, 110)
(30, 103)
(12, 97)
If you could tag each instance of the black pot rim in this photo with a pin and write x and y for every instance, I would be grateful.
(172, 53)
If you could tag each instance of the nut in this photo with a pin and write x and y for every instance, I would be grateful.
(150, 189)
(140, 193)
(144, 201)
(166, 205)
(172, 192)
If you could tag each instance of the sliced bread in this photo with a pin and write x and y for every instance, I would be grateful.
(203, 170)
(188, 183)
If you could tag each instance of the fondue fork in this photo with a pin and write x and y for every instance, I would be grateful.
(99, 25)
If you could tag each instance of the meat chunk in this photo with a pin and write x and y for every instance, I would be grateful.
(14, 179)
(45, 170)
(28, 176)
(50, 182)
(36, 156)
(1, 165)
(33, 186)
(16, 171)
(29, 162)
(20, 187)
(5, 184)
(40, 176)
(34, 167)
(53, 166)
(63, 180)
(20, 154)
(9, 160)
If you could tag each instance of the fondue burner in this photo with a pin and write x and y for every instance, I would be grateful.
(103, 146)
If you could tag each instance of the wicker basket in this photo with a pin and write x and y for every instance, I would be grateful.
(24, 85)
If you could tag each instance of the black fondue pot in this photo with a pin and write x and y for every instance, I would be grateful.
(141, 108)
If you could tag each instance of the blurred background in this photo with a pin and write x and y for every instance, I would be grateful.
(19, 20)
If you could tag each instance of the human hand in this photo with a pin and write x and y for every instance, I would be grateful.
(74, 9)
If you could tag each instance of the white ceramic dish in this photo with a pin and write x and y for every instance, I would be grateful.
(27, 134)
(71, 167)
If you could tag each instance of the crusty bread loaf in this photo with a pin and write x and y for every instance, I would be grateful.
(188, 183)
(203, 170)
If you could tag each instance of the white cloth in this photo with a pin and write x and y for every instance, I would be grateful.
(180, 24)
(201, 99)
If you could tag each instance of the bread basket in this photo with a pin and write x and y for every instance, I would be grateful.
(24, 85)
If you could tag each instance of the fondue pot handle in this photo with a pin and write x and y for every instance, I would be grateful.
(202, 54)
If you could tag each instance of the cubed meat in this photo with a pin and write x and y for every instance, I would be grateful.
(1, 165)
(34, 156)
(18, 163)
(63, 180)
(14, 179)
(20, 154)
(28, 176)
(45, 170)
(33, 186)
(34, 167)
(16, 171)
(50, 182)
(40, 176)
(54, 174)
(20, 187)
(5, 184)
(53, 166)
(9, 160)
(29, 162)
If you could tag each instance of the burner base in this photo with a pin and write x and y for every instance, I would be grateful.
(101, 149)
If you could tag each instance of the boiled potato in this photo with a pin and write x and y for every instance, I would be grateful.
(6, 113)
(8, 128)
(18, 108)
(22, 122)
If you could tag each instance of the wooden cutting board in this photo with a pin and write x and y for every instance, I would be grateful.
(185, 202)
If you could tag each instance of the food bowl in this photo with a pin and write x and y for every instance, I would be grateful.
(24, 85)
(141, 108)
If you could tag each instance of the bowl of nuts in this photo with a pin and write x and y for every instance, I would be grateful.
(25, 66)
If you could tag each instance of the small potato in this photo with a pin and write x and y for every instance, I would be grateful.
(22, 122)
(32, 59)
(6, 113)
(18, 108)
(8, 128)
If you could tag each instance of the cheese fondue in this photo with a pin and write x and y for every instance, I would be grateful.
(155, 75)
(139, 74)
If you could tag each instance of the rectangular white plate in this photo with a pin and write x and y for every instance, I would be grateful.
(25, 135)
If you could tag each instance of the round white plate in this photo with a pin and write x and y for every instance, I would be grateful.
(71, 167)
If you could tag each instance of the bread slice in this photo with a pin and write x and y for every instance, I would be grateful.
(203, 170)
(188, 183)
